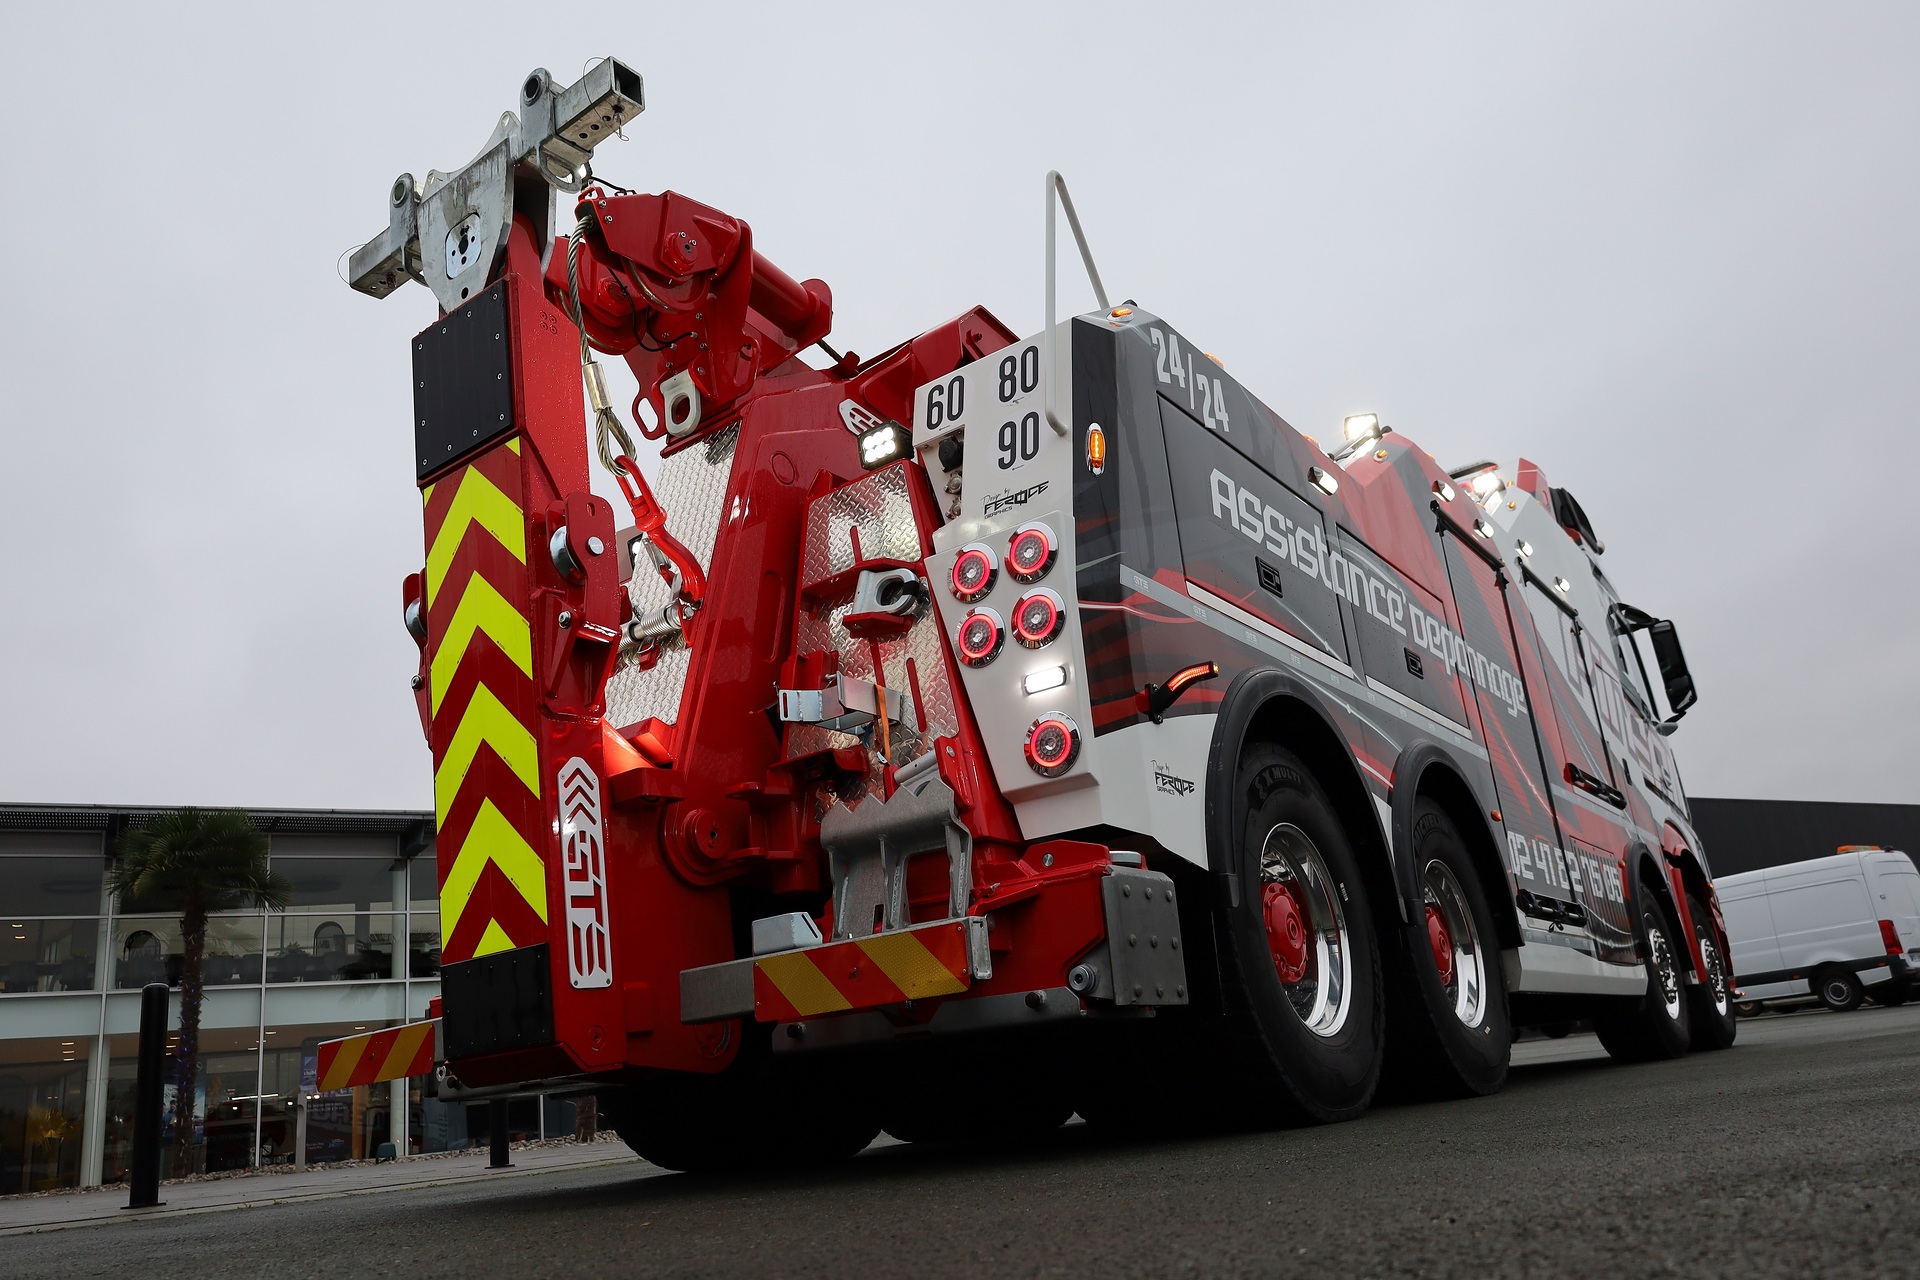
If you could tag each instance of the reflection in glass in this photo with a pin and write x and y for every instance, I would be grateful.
(423, 947)
(47, 955)
(42, 1102)
(328, 948)
(148, 949)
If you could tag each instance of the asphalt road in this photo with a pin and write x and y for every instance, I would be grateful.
(1797, 1153)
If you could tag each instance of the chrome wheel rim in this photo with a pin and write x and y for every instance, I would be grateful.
(1716, 976)
(1458, 956)
(1660, 960)
(1306, 930)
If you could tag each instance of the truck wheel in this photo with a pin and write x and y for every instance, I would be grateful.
(1656, 1025)
(1300, 969)
(707, 1124)
(1839, 990)
(1711, 1001)
(674, 1124)
(1450, 1032)
(1748, 1008)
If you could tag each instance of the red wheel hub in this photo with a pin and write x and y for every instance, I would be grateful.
(1440, 938)
(1286, 932)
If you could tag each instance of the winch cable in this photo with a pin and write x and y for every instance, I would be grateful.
(607, 428)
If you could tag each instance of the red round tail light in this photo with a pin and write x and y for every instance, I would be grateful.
(1038, 617)
(981, 635)
(1053, 743)
(1031, 553)
(973, 572)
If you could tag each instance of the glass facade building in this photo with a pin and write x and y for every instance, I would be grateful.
(357, 949)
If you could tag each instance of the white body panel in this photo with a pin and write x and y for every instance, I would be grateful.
(1542, 966)
(1784, 922)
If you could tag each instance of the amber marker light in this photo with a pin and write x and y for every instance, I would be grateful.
(1096, 449)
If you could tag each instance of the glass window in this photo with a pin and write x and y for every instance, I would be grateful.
(338, 884)
(423, 946)
(48, 955)
(42, 1107)
(423, 883)
(148, 949)
(52, 884)
(329, 948)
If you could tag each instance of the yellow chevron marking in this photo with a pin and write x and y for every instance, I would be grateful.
(426, 494)
(344, 1062)
(491, 838)
(910, 966)
(481, 608)
(479, 502)
(514, 444)
(494, 939)
(485, 720)
(801, 982)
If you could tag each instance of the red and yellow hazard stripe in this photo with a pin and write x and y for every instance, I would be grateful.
(486, 764)
(909, 964)
(393, 1054)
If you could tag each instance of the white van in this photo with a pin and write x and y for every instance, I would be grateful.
(1840, 928)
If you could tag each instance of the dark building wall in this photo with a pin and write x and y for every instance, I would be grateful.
(1745, 835)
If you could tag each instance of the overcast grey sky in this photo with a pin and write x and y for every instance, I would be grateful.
(1668, 252)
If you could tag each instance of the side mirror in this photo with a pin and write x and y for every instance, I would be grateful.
(1673, 667)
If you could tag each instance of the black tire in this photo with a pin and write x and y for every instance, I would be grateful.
(1710, 1001)
(1749, 1008)
(1656, 1025)
(1838, 989)
(677, 1123)
(1891, 995)
(964, 1119)
(1557, 1030)
(1307, 1049)
(737, 1122)
(1450, 1035)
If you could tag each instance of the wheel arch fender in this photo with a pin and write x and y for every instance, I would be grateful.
(1268, 705)
(1427, 768)
(1687, 874)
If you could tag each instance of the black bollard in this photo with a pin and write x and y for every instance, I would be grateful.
(497, 1126)
(143, 1178)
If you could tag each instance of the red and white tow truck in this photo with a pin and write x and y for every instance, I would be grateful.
(992, 729)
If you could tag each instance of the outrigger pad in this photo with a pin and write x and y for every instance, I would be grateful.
(497, 1002)
(462, 382)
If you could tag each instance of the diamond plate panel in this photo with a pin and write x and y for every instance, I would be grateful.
(879, 508)
(692, 489)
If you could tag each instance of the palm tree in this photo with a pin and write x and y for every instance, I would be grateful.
(194, 861)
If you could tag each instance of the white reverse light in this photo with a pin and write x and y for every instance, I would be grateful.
(882, 445)
(1562, 585)
(1323, 481)
(1044, 679)
(1524, 547)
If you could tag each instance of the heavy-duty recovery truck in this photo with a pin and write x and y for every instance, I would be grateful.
(989, 730)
